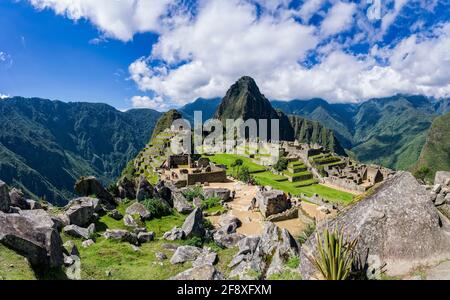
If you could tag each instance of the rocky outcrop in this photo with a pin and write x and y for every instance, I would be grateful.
(193, 225)
(144, 190)
(174, 234)
(39, 243)
(164, 192)
(87, 186)
(5, 201)
(262, 256)
(145, 237)
(80, 211)
(139, 209)
(184, 254)
(398, 227)
(205, 272)
(181, 204)
(442, 178)
(80, 232)
(40, 218)
(272, 202)
(286, 215)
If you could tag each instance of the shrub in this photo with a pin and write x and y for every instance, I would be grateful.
(422, 172)
(157, 208)
(281, 164)
(193, 192)
(195, 242)
(210, 202)
(244, 175)
(335, 256)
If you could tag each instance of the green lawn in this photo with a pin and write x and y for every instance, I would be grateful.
(228, 159)
(308, 187)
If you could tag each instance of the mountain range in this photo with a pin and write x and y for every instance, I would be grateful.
(46, 145)
(388, 131)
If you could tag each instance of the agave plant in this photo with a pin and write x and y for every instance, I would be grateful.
(335, 255)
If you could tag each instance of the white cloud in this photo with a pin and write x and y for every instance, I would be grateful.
(3, 96)
(156, 103)
(338, 19)
(119, 19)
(225, 41)
(309, 8)
(5, 59)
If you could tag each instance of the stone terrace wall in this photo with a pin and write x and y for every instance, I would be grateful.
(344, 183)
(214, 176)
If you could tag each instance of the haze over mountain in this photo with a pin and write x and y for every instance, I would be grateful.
(46, 145)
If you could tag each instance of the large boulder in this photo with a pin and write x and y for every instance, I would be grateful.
(265, 255)
(193, 225)
(174, 234)
(442, 178)
(139, 209)
(185, 253)
(80, 211)
(204, 272)
(221, 193)
(164, 192)
(88, 186)
(126, 189)
(181, 204)
(5, 201)
(79, 232)
(398, 227)
(272, 202)
(121, 235)
(39, 243)
(144, 190)
(40, 218)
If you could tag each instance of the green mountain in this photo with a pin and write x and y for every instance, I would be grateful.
(435, 155)
(165, 121)
(244, 100)
(46, 145)
(389, 131)
(207, 106)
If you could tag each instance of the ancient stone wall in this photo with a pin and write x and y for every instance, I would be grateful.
(345, 183)
(214, 176)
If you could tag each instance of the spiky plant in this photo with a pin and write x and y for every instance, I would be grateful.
(335, 255)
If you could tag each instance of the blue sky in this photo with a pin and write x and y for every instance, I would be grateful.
(166, 53)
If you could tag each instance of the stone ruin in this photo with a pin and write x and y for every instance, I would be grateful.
(354, 176)
(185, 170)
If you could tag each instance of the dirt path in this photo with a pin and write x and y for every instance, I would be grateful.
(252, 222)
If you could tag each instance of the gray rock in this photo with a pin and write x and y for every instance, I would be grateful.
(144, 189)
(121, 235)
(68, 261)
(272, 202)
(260, 257)
(40, 218)
(442, 178)
(60, 221)
(73, 272)
(205, 258)
(398, 224)
(286, 215)
(115, 214)
(228, 219)
(145, 237)
(18, 199)
(440, 199)
(33, 204)
(87, 186)
(197, 202)
(77, 231)
(87, 244)
(164, 192)
(193, 225)
(223, 194)
(41, 245)
(436, 188)
(5, 201)
(174, 234)
(227, 240)
(181, 204)
(203, 162)
(184, 254)
(170, 247)
(139, 209)
(129, 221)
(80, 211)
(160, 256)
(204, 272)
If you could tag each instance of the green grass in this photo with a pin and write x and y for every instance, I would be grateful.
(13, 266)
(228, 159)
